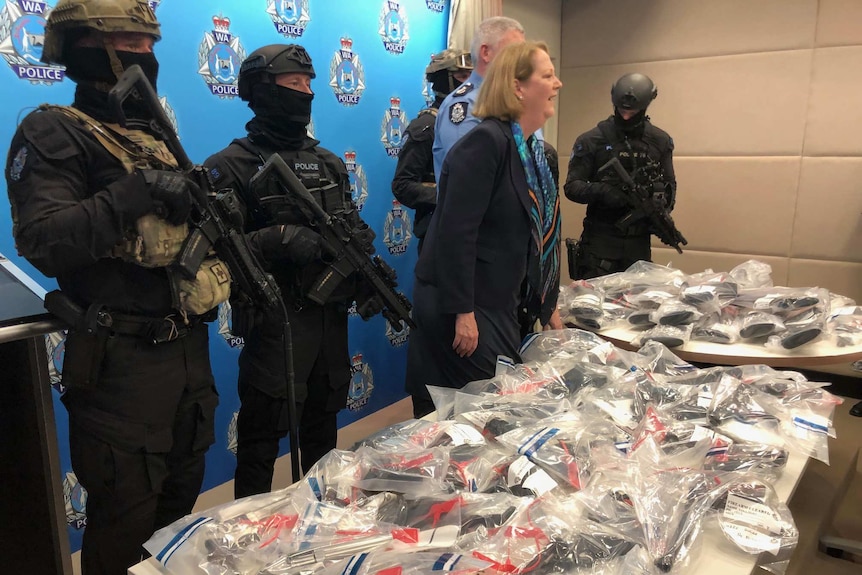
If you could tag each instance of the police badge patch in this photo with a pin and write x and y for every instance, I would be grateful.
(18, 163)
(458, 112)
(463, 89)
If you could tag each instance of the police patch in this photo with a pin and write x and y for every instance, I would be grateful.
(463, 89)
(18, 163)
(458, 112)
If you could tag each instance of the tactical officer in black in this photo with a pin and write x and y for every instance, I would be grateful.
(103, 209)
(276, 82)
(413, 184)
(628, 135)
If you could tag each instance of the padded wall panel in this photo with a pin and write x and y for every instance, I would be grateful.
(828, 223)
(839, 23)
(692, 261)
(839, 277)
(749, 105)
(737, 204)
(835, 109)
(601, 32)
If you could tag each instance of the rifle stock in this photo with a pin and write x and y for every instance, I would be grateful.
(352, 246)
(643, 206)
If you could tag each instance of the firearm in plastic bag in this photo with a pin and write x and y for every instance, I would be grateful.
(217, 224)
(352, 249)
(645, 205)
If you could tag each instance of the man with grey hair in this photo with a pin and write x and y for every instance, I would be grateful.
(455, 116)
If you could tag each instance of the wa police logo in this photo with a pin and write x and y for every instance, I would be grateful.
(22, 37)
(232, 433)
(220, 55)
(225, 324)
(393, 27)
(396, 230)
(397, 338)
(346, 75)
(394, 125)
(436, 5)
(361, 383)
(75, 498)
(358, 180)
(169, 112)
(309, 129)
(290, 17)
(55, 343)
(427, 92)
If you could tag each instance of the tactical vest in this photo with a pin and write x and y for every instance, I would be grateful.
(154, 242)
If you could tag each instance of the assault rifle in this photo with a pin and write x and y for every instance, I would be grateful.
(351, 245)
(216, 223)
(645, 204)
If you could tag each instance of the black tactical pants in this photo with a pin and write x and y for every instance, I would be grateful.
(138, 441)
(263, 422)
(601, 254)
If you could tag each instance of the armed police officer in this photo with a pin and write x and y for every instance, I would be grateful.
(643, 150)
(413, 184)
(275, 80)
(103, 208)
(455, 117)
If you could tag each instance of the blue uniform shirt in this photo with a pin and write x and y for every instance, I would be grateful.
(454, 119)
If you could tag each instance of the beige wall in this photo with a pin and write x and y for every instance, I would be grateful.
(764, 102)
(541, 21)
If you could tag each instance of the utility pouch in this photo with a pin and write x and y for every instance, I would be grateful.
(573, 248)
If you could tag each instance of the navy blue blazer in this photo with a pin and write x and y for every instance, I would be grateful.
(478, 242)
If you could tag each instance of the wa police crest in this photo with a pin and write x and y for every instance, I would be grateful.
(397, 338)
(232, 434)
(427, 92)
(75, 499)
(219, 56)
(225, 324)
(396, 230)
(55, 344)
(361, 383)
(393, 27)
(169, 112)
(346, 76)
(393, 127)
(22, 37)
(358, 180)
(435, 5)
(290, 17)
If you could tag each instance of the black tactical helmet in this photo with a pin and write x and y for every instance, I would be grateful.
(70, 16)
(272, 60)
(633, 92)
(442, 68)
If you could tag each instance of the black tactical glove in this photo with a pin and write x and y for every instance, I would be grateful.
(611, 196)
(368, 303)
(171, 193)
(302, 245)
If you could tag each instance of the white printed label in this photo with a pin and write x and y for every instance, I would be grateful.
(751, 540)
(465, 434)
(742, 510)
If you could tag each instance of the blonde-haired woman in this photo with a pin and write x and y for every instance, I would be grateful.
(491, 259)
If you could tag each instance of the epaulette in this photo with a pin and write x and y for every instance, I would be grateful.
(463, 89)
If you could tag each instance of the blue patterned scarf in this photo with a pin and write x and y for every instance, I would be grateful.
(544, 214)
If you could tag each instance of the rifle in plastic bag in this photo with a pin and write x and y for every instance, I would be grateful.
(351, 246)
(644, 205)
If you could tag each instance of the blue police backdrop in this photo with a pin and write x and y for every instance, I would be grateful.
(369, 56)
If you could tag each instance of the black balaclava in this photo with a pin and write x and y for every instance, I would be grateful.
(91, 69)
(281, 115)
(634, 126)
